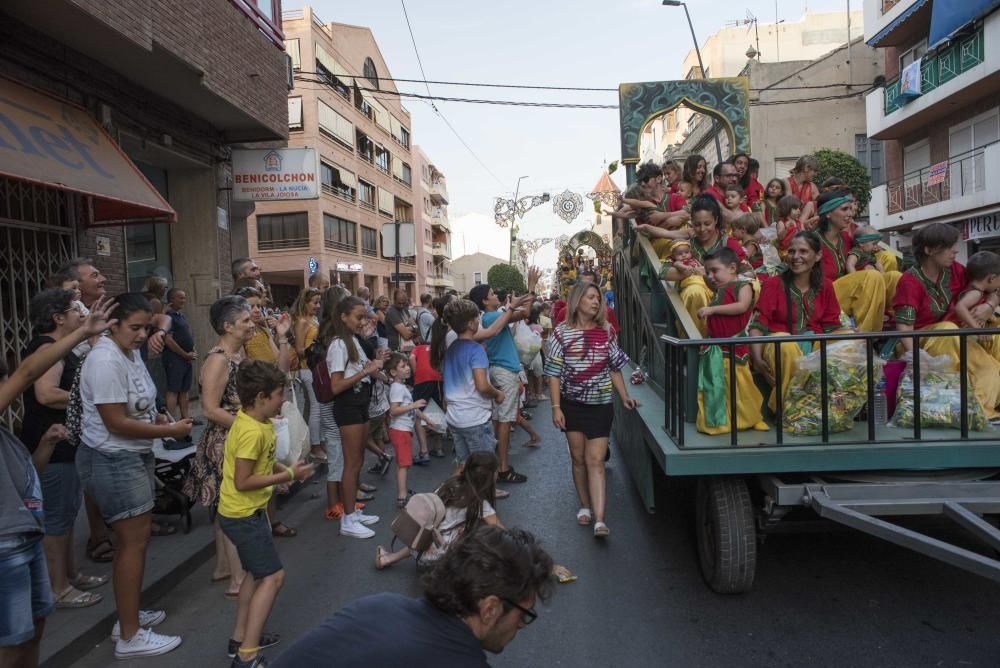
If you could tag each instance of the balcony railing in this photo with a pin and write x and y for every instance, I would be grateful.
(441, 249)
(336, 192)
(369, 252)
(439, 189)
(330, 244)
(964, 175)
(957, 58)
(365, 204)
(282, 244)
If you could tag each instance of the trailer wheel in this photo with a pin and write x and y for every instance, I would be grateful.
(727, 545)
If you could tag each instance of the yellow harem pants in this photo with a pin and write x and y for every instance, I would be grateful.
(863, 296)
(695, 294)
(888, 260)
(983, 363)
(748, 403)
(790, 354)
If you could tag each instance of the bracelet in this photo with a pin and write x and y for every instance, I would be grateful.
(555, 405)
(291, 475)
(283, 342)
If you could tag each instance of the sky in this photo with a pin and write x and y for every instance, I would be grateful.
(563, 43)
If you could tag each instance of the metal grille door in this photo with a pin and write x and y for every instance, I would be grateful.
(36, 236)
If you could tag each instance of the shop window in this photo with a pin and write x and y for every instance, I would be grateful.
(283, 230)
(147, 246)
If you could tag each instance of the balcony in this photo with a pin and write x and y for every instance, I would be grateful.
(282, 244)
(959, 189)
(441, 249)
(439, 218)
(441, 280)
(956, 75)
(895, 22)
(439, 191)
(332, 245)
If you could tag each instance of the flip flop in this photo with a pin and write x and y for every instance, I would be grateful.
(533, 443)
(163, 529)
(71, 597)
(85, 582)
(101, 553)
(365, 487)
(380, 553)
(282, 530)
(502, 494)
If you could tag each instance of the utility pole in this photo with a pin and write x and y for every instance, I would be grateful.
(395, 225)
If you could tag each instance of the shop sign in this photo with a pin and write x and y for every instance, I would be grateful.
(407, 277)
(352, 267)
(313, 265)
(275, 174)
(982, 227)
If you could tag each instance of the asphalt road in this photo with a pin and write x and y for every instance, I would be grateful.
(828, 599)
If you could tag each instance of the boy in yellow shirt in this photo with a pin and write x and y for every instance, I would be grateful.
(249, 471)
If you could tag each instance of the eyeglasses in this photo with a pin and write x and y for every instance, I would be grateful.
(528, 615)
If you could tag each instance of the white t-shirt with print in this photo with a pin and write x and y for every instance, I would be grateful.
(400, 394)
(451, 530)
(337, 360)
(110, 377)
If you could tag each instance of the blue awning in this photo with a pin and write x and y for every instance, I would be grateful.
(950, 16)
(874, 41)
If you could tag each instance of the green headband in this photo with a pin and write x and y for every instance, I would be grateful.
(832, 204)
(865, 238)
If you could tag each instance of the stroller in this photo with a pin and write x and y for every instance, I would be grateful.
(171, 468)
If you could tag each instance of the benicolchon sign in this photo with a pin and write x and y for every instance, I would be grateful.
(275, 174)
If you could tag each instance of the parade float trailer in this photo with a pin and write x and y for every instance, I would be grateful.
(752, 483)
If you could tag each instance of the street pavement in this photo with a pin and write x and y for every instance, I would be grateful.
(820, 599)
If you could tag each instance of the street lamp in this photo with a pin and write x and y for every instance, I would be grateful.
(701, 66)
(507, 211)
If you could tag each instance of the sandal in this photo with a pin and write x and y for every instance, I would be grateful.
(71, 597)
(163, 529)
(102, 552)
(363, 496)
(365, 487)
(281, 530)
(601, 530)
(85, 582)
(533, 443)
(584, 516)
(501, 494)
(380, 554)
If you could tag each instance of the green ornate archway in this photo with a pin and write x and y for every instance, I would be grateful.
(585, 238)
(725, 99)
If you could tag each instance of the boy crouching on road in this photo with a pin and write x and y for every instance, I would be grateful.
(249, 471)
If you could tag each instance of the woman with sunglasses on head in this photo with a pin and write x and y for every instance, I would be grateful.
(115, 463)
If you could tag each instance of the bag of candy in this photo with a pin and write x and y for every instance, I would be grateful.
(940, 396)
(846, 386)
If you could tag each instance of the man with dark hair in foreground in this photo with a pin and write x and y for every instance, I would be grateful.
(477, 597)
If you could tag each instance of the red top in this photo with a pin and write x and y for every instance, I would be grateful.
(792, 227)
(812, 311)
(920, 301)
(714, 192)
(804, 192)
(676, 202)
(673, 186)
(423, 372)
(754, 191)
(558, 312)
(952, 316)
(728, 326)
(834, 256)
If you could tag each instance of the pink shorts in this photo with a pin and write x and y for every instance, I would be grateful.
(402, 443)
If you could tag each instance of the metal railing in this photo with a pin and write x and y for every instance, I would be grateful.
(964, 174)
(338, 193)
(282, 244)
(679, 370)
(329, 244)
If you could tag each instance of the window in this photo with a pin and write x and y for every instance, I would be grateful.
(295, 113)
(335, 126)
(477, 278)
(283, 230)
(383, 159)
(339, 234)
(401, 171)
(369, 241)
(293, 51)
(338, 182)
(916, 51)
(399, 133)
(404, 137)
(403, 211)
(362, 104)
(966, 142)
(869, 153)
(370, 72)
(366, 148)
(386, 202)
(328, 68)
(366, 195)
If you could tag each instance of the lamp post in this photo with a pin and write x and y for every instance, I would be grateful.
(513, 223)
(701, 66)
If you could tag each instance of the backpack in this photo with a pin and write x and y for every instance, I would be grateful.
(74, 408)
(316, 361)
(417, 524)
(423, 326)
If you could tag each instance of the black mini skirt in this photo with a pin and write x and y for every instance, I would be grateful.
(592, 420)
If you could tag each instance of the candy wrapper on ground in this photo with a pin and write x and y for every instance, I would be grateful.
(847, 387)
(940, 397)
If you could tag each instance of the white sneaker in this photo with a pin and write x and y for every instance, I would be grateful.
(145, 643)
(147, 618)
(367, 520)
(350, 526)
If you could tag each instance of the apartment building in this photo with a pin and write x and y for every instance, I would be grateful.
(938, 115)
(343, 105)
(434, 239)
(116, 124)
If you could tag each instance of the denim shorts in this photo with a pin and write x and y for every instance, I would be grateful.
(254, 543)
(479, 438)
(61, 497)
(25, 591)
(120, 482)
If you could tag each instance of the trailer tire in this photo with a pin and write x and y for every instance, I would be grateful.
(726, 534)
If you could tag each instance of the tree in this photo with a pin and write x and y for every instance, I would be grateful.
(505, 277)
(847, 167)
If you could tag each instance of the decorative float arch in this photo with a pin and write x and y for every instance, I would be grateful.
(727, 100)
(586, 238)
